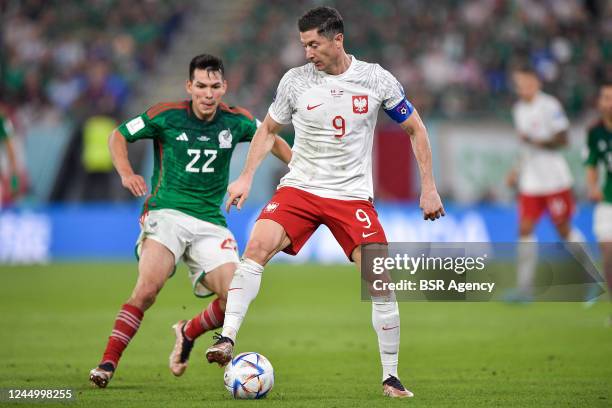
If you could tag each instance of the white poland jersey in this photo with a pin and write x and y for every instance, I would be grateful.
(542, 171)
(334, 117)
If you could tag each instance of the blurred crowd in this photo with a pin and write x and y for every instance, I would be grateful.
(79, 57)
(453, 57)
(83, 60)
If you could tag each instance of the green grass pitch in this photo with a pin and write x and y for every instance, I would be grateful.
(309, 321)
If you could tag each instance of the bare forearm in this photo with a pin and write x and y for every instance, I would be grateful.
(281, 149)
(119, 154)
(422, 150)
(558, 141)
(592, 178)
(12, 157)
(261, 145)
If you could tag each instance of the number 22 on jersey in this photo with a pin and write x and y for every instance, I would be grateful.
(196, 154)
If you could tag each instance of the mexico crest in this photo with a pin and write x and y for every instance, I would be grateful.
(225, 139)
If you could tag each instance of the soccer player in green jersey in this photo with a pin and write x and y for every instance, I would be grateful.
(181, 218)
(6, 133)
(599, 147)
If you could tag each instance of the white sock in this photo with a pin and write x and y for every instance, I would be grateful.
(242, 291)
(576, 246)
(575, 236)
(527, 259)
(386, 322)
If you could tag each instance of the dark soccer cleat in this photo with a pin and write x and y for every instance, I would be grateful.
(101, 375)
(221, 351)
(181, 351)
(392, 387)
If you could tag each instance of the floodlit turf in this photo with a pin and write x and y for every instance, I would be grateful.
(311, 324)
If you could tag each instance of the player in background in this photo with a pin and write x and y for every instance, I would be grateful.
(181, 219)
(333, 102)
(543, 175)
(599, 148)
(12, 170)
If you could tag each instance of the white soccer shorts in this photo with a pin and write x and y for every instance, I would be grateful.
(201, 245)
(602, 222)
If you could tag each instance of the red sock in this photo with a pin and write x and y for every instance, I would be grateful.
(211, 318)
(126, 326)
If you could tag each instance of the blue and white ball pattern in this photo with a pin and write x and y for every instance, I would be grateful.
(249, 376)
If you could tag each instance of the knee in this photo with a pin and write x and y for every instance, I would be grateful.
(606, 251)
(525, 229)
(564, 231)
(258, 251)
(144, 296)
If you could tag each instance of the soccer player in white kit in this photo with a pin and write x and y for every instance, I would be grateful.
(543, 175)
(333, 102)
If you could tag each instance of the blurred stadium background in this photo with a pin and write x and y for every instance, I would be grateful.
(71, 70)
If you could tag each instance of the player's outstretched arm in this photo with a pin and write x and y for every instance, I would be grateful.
(281, 149)
(430, 201)
(119, 153)
(558, 141)
(13, 167)
(261, 145)
(593, 190)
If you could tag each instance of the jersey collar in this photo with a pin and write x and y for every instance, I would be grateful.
(350, 69)
(191, 114)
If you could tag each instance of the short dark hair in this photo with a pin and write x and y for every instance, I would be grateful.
(526, 69)
(605, 83)
(206, 62)
(326, 20)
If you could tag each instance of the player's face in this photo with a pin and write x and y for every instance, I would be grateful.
(320, 50)
(526, 85)
(206, 90)
(605, 101)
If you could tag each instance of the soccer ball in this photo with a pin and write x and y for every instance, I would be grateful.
(249, 376)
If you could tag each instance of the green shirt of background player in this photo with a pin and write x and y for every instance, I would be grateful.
(6, 134)
(181, 218)
(599, 151)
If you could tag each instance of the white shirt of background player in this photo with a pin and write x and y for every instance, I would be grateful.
(542, 170)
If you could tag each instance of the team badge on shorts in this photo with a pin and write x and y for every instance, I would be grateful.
(360, 104)
(229, 243)
(225, 139)
(271, 207)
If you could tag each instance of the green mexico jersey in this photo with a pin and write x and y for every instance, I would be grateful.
(599, 145)
(192, 156)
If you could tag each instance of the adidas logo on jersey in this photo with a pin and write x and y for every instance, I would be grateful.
(182, 137)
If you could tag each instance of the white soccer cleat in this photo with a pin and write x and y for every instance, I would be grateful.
(392, 387)
(181, 351)
(99, 377)
(221, 351)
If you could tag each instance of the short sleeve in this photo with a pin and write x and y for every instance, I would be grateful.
(592, 155)
(281, 109)
(557, 117)
(392, 92)
(140, 127)
(249, 128)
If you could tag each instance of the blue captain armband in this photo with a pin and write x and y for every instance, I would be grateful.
(401, 111)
